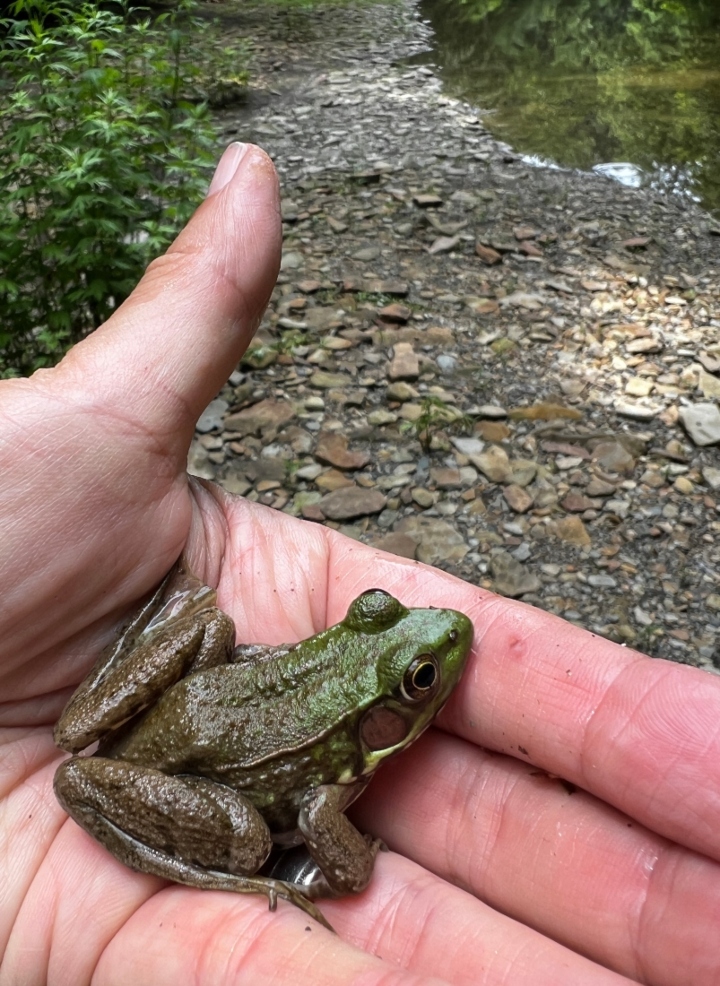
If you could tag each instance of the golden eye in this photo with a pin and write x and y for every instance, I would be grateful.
(420, 678)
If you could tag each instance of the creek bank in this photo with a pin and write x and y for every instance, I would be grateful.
(551, 336)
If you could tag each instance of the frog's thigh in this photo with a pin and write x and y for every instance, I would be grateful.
(143, 815)
(345, 857)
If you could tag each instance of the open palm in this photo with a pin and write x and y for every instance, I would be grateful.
(500, 871)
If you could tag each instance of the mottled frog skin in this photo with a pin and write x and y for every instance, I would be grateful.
(213, 756)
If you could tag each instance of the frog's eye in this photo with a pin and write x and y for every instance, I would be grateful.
(421, 678)
(374, 611)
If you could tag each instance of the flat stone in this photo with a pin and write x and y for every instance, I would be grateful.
(644, 345)
(437, 540)
(446, 478)
(263, 418)
(523, 471)
(639, 387)
(638, 412)
(613, 457)
(332, 448)
(576, 503)
(709, 385)
(598, 487)
(397, 544)
(425, 200)
(212, 417)
(572, 530)
(702, 423)
(381, 416)
(545, 411)
(492, 431)
(345, 504)
(401, 391)
(329, 381)
(236, 484)
(405, 363)
(424, 498)
(602, 581)
(511, 577)
(517, 498)
(309, 472)
(494, 463)
(468, 446)
(711, 475)
(395, 313)
(487, 254)
(333, 479)
(492, 411)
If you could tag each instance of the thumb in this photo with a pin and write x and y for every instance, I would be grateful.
(171, 345)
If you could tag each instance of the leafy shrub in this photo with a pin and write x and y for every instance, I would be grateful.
(105, 150)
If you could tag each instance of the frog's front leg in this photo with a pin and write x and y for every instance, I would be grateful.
(343, 855)
(187, 829)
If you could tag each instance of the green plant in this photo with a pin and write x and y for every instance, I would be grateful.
(105, 151)
(436, 416)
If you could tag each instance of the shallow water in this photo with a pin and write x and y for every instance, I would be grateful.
(630, 87)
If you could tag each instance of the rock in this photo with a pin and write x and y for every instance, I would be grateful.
(349, 503)
(638, 412)
(702, 423)
(366, 254)
(511, 577)
(639, 387)
(494, 463)
(598, 487)
(212, 417)
(492, 411)
(572, 530)
(523, 471)
(544, 411)
(487, 254)
(517, 498)
(444, 244)
(644, 345)
(446, 479)
(613, 457)
(602, 581)
(384, 417)
(711, 475)
(468, 446)
(405, 364)
(332, 449)
(395, 313)
(333, 479)
(492, 431)
(446, 362)
(291, 260)
(310, 472)
(424, 498)
(266, 418)
(397, 544)
(401, 391)
(329, 381)
(576, 503)
(437, 541)
(709, 385)
(426, 201)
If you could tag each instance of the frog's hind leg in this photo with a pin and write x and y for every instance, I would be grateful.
(186, 829)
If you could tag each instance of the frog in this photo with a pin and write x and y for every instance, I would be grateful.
(216, 762)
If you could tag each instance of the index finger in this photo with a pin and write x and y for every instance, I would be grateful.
(641, 733)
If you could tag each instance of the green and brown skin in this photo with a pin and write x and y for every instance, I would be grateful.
(211, 754)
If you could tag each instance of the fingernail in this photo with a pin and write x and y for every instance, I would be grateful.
(227, 166)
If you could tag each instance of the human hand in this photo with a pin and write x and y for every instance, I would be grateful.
(495, 861)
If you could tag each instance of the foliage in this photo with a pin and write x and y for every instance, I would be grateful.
(105, 150)
(436, 416)
(588, 81)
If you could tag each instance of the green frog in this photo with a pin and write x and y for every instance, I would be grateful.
(213, 760)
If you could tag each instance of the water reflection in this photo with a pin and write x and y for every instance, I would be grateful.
(630, 88)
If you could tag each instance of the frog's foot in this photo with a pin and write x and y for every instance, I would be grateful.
(146, 859)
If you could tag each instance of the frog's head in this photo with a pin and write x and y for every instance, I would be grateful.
(419, 656)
